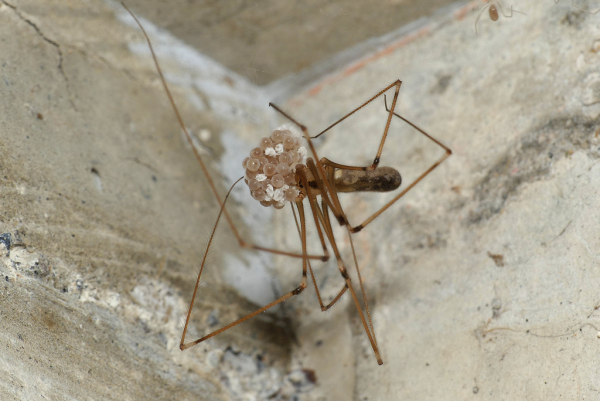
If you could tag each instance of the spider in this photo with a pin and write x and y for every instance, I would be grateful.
(279, 171)
(492, 7)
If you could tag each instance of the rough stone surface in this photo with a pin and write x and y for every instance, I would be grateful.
(481, 280)
(269, 40)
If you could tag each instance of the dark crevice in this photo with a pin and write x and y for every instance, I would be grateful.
(531, 158)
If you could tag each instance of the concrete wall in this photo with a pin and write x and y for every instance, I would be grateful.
(481, 280)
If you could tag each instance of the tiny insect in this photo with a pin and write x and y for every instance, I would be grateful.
(279, 170)
(493, 6)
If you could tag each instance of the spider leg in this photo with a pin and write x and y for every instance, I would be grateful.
(327, 225)
(479, 16)
(322, 216)
(342, 291)
(183, 345)
(415, 182)
(330, 166)
(373, 166)
(348, 285)
(511, 10)
(211, 183)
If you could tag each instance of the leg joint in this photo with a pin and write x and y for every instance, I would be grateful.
(299, 289)
(356, 229)
(344, 273)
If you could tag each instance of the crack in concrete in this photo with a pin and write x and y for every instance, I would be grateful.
(50, 41)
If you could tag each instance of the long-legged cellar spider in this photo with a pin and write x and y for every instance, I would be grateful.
(493, 6)
(278, 171)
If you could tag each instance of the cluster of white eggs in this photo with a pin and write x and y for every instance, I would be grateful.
(271, 167)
